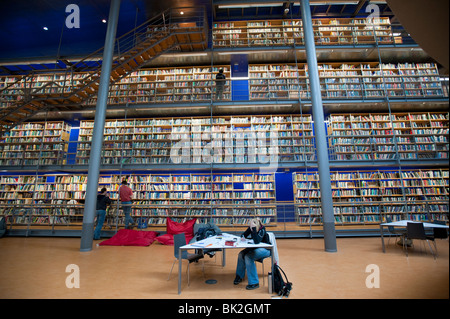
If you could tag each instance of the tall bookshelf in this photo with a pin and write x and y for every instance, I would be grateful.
(164, 85)
(57, 200)
(224, 139)
(39, 201)
(363, 194)
(347, 81)
(36, 143)
(149, 85)
(286, 32)
(350, 80)
(367, 197)
(386, 136)
(15, 88)
(368, 80)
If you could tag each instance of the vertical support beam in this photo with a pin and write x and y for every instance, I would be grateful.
(87, 233)
(319, 131)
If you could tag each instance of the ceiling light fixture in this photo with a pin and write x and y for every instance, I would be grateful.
(45, 28)
(104, 20)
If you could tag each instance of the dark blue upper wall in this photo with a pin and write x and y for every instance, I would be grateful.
(22, 21)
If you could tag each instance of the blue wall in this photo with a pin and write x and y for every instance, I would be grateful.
(239, 68)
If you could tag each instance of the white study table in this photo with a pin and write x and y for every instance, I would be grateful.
(403, 223)
(218, 242)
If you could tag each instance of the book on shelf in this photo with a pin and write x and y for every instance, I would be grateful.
(370, 196)
(188, 191)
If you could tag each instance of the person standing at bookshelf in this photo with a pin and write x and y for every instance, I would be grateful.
(248, 256)
(103, 201)
(220, 84)
(125, 196)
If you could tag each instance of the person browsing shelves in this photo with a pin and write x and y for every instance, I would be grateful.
(103, 201)
(125, 196)
(248, 256)
(220, 84)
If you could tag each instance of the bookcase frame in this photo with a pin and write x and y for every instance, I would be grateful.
(367, 197)
(232, 139)
(348, 81)
(374, 136)
(287, 32)
(276, 81)
(227, 199)
(36, 143)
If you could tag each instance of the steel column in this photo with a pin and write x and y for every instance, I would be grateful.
(319, 131)
(87, 233)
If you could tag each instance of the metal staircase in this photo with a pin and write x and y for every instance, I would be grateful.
(71, 88)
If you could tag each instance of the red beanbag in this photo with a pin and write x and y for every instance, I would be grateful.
(129, 237)
(174, 228)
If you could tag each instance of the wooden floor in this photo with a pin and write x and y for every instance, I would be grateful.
(36, 268)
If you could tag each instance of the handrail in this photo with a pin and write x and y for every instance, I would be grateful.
(127, 48)
(233, 215)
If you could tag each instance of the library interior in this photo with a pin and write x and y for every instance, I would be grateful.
(327, 121)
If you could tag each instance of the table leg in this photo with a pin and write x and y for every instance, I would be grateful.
(223, 257)
(382, 239)
(179, 271)
(271, 269)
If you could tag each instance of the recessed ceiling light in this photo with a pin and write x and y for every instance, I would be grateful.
(181, 12)
(45, 28)
(104, 20)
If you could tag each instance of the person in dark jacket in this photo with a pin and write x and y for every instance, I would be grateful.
(247, 257)
(220, 84)
(103, 201)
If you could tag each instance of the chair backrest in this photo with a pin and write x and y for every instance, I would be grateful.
(178, 241)
(390, 228)
(415, 231)
(273, 241)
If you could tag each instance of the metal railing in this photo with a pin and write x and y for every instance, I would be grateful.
(287, 33)
(57, 85)
(186, 89)
(279, 216)
(289, 141)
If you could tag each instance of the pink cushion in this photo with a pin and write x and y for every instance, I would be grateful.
(129, 237)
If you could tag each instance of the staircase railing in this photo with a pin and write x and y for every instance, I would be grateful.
(79, 82)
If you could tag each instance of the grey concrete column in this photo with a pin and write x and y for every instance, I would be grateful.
(319, 131)
(87, 233)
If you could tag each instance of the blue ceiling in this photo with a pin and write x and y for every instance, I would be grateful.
(23, 37)
(22, 25)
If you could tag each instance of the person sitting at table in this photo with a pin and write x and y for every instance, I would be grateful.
(248, 256)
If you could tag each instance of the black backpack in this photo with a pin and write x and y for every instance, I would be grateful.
(206, 231)
(281, 286)
(2, 226)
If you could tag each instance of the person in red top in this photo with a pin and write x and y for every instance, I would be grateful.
(125, 196)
